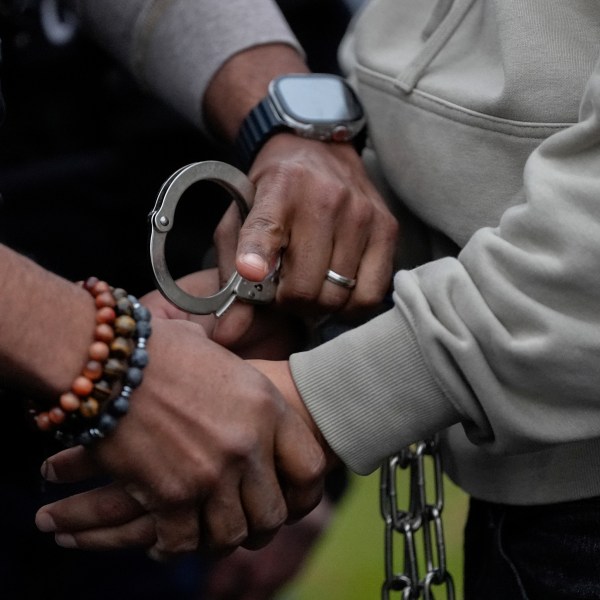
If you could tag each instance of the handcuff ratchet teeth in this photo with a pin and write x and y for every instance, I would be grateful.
(161, 218)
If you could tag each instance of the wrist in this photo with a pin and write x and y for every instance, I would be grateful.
(280, 375)
(99, 395)
(243, 81)
(41, 343)
(315, 106)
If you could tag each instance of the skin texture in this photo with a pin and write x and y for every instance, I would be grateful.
(210, 447)
(314, 208)
(244, 574)
(208, 455)
(33, 296)
(235, 487)
(257, 575)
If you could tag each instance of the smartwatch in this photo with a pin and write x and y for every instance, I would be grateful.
(315, 106)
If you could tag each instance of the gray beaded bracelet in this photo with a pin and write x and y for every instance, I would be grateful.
(134, 375)
(99, 396)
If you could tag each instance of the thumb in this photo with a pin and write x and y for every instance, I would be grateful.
(262, 237)
(252, 266)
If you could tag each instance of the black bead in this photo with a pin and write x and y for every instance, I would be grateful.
(85, 438)
(143, 329)
(107, 423)
(134, 377)
(119, 406)
(139, 358)
(141, 313)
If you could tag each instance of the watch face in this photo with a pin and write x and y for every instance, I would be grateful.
(316, 98)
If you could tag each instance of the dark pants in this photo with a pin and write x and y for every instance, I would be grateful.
(549, 552)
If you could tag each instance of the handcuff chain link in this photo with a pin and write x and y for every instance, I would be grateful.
(420, 520)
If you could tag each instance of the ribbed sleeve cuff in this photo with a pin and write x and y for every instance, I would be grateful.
(370, 391)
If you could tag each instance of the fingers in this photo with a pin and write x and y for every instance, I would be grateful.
(200, 438)
(264, 233)
(293, 212)
(374, 275)
(224, 521)
(233, 325)
(177, 532)
(247, 513)
(69, 466)
(315, 204)
(301, 472)
(100, 519)
(137, 533)
(258, 574)
(200, 284)
(264, 505)
(302, 285)
(102, 507)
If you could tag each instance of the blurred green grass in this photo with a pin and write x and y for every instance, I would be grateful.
(348, 560)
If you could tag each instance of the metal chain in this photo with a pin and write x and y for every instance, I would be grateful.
(414, 536)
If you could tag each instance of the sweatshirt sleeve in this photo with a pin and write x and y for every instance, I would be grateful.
(504, 339)
(174, 47)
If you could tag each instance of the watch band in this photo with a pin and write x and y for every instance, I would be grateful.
(261, 123)
(340, 117)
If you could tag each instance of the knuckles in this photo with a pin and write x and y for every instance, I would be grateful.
(390, 229)
(177, 545)
(312, 471)
(179, 489)
(115, 507)
(224, 543)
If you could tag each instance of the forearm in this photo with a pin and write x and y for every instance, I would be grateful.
(280, 375)
(46, 326)
(175, 48)
(242, 83)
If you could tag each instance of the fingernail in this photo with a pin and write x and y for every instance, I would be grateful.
(44, 522)
(156, 555)
(48, 472)
(254, 260)
(65, 540)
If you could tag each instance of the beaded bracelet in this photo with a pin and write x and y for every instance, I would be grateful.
(100, 395)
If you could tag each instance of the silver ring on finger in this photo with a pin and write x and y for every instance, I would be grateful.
(340, 280)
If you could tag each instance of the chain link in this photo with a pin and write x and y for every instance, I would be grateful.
(414, 536)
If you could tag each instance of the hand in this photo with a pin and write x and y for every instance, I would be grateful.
(108, 518)
(315, 202)
(249, 331)
(259, 574)
(209, 449)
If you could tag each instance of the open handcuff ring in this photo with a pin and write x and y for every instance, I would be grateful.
(162, 217)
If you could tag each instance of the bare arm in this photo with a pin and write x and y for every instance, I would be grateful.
(176, 448)
(46, 326)
(212, 61)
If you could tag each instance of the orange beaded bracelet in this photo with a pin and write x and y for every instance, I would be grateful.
(116, 358)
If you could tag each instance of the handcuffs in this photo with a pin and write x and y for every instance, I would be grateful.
(161, 219)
